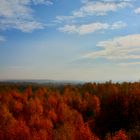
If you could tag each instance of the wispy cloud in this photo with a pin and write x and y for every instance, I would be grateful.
(85, 1)
(18, 14)
(137, 11)
(118, 25)
(84, 29)
(98, 8)
(47, 2)
(2, 38)
(123, 47)
(129, 63)
(91, 28)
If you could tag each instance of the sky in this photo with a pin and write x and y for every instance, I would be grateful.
(86, 40)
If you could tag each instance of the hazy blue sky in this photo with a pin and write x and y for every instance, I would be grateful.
(89, 40)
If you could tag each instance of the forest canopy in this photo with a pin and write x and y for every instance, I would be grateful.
(90, 111)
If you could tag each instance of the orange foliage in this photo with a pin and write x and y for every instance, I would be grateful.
(120, 135)
(73, 112)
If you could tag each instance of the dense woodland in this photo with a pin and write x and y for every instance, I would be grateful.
(90, 111)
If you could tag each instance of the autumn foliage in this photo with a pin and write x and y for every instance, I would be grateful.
(91, 111)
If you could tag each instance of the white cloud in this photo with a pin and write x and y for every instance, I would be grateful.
(123, 47)
(118, 25)
(117, 0)
(18, 14)
(137, 11)
(91, 28)
(129, 63)
(99, 8)
(69, 29)
(20, 24)
(2, 38)
(47, 2)
(84, 29)
(84, 1)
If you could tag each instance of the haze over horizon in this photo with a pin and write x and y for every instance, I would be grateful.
(85, 40)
